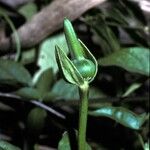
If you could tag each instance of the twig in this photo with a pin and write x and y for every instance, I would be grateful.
(37, 103)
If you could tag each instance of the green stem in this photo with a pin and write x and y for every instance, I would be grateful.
(83, 91)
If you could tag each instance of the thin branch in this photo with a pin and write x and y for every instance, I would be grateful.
(37, 103)
(51, 110)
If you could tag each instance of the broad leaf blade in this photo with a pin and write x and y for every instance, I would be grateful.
(121, 115)
(46, 57)
(134, 59)
(69, 71)
(43, 83)
(13, 72)
(29, 93)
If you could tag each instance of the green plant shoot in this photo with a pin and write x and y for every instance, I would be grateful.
(80, 70)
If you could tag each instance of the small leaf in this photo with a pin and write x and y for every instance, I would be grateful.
(36, 119)
(69, 71)
(7, 146)
(134, 59)
(5, 107)
(131, 89)
(64, 142)
(121, 115)
(28, 57)
(12, 72)
(29, 93)
(44, 81)
(28, 10)
(65, 145)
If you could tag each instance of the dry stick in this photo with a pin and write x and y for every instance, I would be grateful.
(35, 102)
(47, 21)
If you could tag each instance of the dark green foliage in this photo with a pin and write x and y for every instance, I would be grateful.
(37, 106)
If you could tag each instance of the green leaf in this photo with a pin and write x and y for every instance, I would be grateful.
(28, 10)
(67, 91)
(64, 142)
(7, 146)
(131, 89)
(12, 72)
(146, 146)
(36, 119)
(28, 56)
(122, 116)
(43, 83)
(29, 93)
(134, 59)
(68, 70)
(47, 52)
(40, 89)
(5, 107)
(46, 58)
(65, 145)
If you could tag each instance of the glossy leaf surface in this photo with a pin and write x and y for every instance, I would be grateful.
(121, 115)
(134, 59)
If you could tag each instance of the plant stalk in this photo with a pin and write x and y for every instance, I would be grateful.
(83, 91)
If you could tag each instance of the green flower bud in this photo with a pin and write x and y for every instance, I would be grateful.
(85, 67)
(82, 66)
